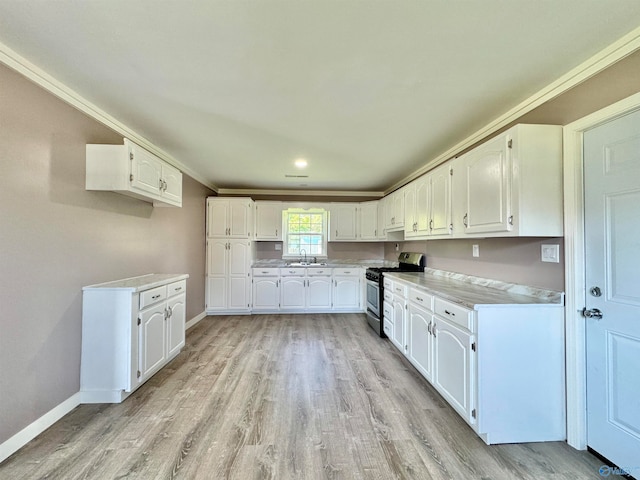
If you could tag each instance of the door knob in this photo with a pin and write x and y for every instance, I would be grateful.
(593, 313)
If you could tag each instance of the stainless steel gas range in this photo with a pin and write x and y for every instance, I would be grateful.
(407, 262)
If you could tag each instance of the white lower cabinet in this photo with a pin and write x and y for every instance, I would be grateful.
(302, 289)
(420, 340)
(228, 275)
(266, 290)
(131, 328)
(453, 367)
(347, 289)
(500, 366)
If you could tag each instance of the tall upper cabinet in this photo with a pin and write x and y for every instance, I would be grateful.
(229, 255)
(131, 170)
(511, 185)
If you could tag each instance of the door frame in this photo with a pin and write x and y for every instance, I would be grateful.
(575, 283)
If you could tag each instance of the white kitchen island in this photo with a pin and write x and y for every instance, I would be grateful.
(131, 328)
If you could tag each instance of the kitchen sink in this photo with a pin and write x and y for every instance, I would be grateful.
(307, 264)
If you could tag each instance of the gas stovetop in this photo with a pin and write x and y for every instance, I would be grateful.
(409, 262)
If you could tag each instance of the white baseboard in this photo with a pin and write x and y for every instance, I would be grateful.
(24, 436)
(195, 320)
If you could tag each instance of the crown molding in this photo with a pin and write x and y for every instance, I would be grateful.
(615, 52)
(298, 193)
(44, 80)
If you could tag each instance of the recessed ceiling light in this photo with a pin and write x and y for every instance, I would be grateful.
(300, 163)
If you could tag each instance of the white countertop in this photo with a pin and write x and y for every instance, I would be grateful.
(475, 292)
(143, 282)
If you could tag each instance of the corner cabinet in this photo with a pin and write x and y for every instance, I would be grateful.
(131, 328)
(511, 185)
(133, 171)
(230, 252)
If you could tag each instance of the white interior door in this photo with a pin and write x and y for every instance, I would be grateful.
(612, 246)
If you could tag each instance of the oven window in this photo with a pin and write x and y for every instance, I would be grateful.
(373, 297)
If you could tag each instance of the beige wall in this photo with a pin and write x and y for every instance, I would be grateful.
(515, 260)
(56, 237)
(335, 251)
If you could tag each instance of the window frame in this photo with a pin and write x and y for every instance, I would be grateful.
(285, 232)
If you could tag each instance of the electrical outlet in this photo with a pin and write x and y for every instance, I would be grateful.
(278, 246)
(476, 251)
(550, 253)
(397, 247)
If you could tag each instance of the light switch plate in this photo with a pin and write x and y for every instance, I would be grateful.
(475, 251)
(550, 253)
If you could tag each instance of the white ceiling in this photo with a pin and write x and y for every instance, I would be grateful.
(366, 91)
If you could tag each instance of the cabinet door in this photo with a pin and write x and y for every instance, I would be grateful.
(217, 293)
(422, 207)
(240, 218)
(346, 292)
(176, 309)
(382, 235)
(410, 210)
(292, 293)
(319, 293)
(420, 340)
(239, 253)
(146, 170)
(487, 187)
(152, 340)
(399, 310)
(217, 253)
(454, 366)
(173, 184)
(217, 217)
(369, 220)
(398, 209)
(239, 292)
(268, 221)
(343, 221)
(266, 293)
(440, 222)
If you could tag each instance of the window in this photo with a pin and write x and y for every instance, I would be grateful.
(305, 232)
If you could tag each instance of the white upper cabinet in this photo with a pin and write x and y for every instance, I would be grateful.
(511, 185)
(268, 221)
(417, 207)
(229, 217)
(440, 222)
(369, 220)
(343, 221)
(131, 170)
(394, 208)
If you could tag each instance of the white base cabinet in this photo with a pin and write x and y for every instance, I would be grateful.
(500, 366)
(131, 328)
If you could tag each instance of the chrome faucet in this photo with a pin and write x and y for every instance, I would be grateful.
(305, 254)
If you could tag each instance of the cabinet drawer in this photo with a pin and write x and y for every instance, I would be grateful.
(347, 271)
(421, 298)
(319, 272)
(388, 294)
(293, 272)
(155, 295)
(388, 329)
(454, 313)
(176, 288)
(266, 272)
(387, 313)
(387, 282)
(400, 289)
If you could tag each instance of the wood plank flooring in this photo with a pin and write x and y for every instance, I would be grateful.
(284, 397)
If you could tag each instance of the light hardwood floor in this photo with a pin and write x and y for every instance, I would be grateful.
(284, 397)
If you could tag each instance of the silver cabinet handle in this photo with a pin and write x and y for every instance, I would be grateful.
(464, 219)
(429, 328)
(450, 313)
(177, 289)
(420, 299)
(433, 329)
(155, 297)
